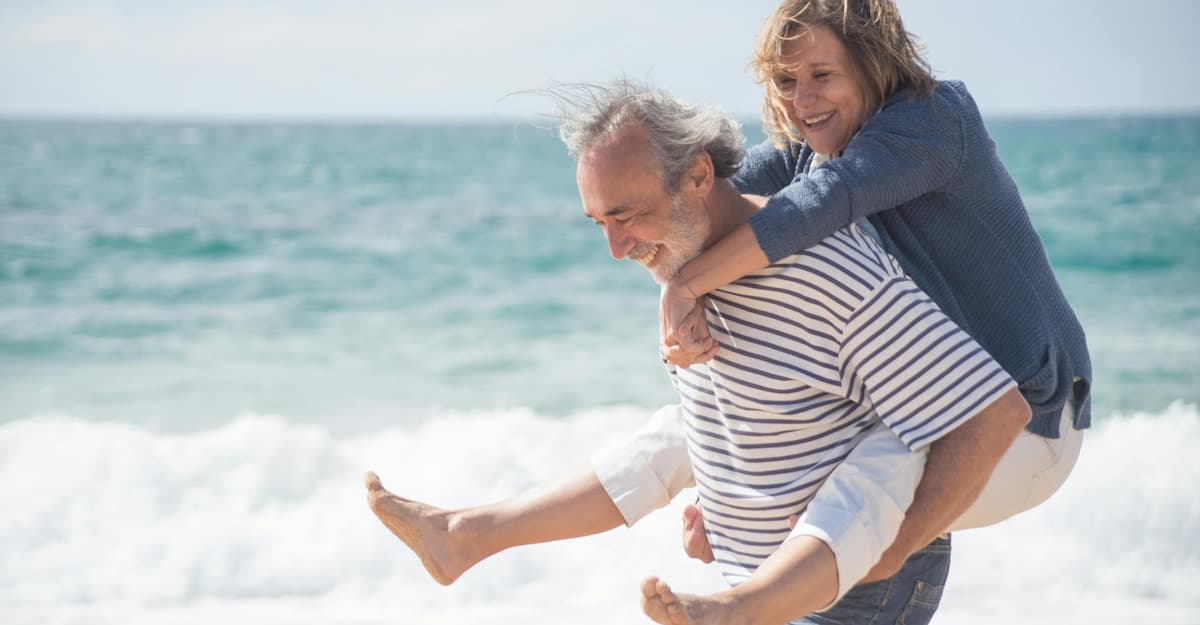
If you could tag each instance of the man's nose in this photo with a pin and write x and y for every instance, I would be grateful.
(619, 241)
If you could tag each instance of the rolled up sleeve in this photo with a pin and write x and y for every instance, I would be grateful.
(644, 472)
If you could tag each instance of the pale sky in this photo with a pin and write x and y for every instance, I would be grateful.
(459, 59)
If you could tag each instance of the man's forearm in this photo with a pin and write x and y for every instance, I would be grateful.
(957, 469)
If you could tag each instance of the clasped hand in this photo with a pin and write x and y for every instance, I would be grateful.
(684, 329)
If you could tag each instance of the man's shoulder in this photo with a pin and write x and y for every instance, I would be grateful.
(844, 268)
(850, 251)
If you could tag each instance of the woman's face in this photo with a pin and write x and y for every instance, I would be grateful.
(823, 92)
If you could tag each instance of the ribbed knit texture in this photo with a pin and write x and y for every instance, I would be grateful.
(925, 173)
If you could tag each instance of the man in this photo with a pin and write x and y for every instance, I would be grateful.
(829, 360)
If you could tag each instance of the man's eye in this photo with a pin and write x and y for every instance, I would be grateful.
(623, 220)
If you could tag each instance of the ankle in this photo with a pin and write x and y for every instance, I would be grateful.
(460, 524)
(466, 533)
(740, 607)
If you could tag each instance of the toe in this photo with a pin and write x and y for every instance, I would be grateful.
(650, 588)
(664, 593)
(372, 481)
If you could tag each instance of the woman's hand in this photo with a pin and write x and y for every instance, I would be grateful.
(684, 329)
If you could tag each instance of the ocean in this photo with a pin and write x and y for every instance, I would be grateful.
(210, 330)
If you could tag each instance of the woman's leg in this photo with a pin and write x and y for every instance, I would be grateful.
(1030, 472)
(852, 519)
(449, 542)
(799, 578)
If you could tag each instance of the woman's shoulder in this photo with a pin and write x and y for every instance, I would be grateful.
(948, 111)
(951, 93)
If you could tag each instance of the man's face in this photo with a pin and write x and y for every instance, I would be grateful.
(621, 191)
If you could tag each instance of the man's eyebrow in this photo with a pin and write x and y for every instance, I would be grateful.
(616, 210)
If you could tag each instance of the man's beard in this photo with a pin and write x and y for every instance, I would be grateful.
(684, 242)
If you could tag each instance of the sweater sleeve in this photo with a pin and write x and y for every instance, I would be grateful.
(912, 146)
(766, 169)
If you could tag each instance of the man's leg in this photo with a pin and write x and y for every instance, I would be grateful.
(449, 542)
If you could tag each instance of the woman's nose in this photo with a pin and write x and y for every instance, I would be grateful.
(803, 95)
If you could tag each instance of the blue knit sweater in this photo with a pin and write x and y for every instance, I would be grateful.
(925, 173)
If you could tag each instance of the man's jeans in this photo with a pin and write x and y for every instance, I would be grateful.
(910, 597)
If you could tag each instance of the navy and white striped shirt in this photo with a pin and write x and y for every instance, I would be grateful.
(815, 350)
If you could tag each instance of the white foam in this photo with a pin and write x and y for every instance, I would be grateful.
(265, 520)
(1121, 537)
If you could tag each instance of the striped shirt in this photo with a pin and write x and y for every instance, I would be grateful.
(815, 350)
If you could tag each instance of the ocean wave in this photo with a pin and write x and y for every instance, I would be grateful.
(263, 512)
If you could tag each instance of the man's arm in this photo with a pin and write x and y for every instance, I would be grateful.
(956, 471)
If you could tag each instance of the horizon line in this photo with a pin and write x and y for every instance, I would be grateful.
(431, 118)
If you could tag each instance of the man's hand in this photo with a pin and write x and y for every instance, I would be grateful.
(695, 541)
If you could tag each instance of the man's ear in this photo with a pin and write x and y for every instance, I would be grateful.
(700, 176)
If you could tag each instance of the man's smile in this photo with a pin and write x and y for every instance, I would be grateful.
(646, 257)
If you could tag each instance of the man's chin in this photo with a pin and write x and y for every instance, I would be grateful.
(663, 273)
(668, 263)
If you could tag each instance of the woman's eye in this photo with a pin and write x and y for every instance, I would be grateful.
(821, 75)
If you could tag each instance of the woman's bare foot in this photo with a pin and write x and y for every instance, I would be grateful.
(430, 532)
(662, 605)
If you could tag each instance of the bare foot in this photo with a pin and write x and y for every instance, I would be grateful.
(662, 605)
(427, 530)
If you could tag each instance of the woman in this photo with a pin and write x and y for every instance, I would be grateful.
(861, 132)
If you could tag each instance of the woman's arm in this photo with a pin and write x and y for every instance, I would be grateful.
(766, 170)
(909, 148)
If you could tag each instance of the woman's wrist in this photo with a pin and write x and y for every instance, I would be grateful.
(678, 285)
(734, 256)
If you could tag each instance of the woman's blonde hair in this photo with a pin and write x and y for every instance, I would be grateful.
(886, 57)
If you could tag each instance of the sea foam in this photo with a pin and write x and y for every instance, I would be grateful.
(264, 519)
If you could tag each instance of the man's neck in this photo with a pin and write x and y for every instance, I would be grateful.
(727, 209)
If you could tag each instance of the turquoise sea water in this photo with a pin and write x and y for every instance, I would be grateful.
(179, 274)
(208, 331)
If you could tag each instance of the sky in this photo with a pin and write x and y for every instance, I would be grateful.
(404, 59)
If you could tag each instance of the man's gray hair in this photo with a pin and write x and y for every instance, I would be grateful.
(678, 131)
